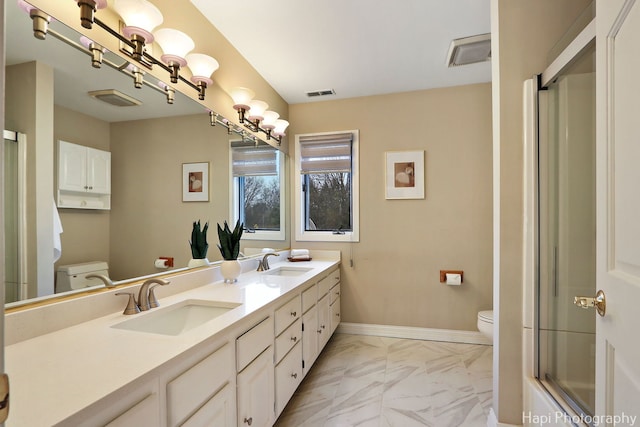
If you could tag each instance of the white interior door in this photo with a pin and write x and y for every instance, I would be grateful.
(618, 209)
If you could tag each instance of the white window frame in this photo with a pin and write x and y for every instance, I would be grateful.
(328, 236)
(234, 203)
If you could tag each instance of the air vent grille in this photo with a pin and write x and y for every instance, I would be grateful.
(114, 97)
(321, 93)
(469, 50)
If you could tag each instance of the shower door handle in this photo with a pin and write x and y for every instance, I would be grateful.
(599, 302)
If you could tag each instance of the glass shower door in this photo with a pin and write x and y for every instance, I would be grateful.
(567, 236)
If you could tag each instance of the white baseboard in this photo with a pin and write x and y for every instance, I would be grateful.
(410, 332)
(492, 421)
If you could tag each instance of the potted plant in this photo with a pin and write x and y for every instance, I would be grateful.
(199, 245)
(230, 249)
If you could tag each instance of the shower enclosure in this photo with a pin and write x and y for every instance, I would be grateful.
(567, 233)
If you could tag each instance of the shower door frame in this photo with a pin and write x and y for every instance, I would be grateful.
(21, 140)
(583, 41)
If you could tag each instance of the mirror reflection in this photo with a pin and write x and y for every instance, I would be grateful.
(148, 144)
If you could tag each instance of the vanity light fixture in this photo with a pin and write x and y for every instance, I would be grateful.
(97, 51)
(241, 98)
(138, 75)
(169, 91)
(202, 67)
(40, 23)
(278, 132)
(87, 9)
(175, 46)
(140, 18)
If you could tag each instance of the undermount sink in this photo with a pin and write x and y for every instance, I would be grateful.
(177, 318)
(287, 271)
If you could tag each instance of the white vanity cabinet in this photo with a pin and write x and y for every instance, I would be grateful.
(255, 378)
(133, 405)
(200, 388)
(309, 328)
(84, 177)
(288, 360)
(334, 303)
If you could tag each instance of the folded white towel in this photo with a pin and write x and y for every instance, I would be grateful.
(299, 253)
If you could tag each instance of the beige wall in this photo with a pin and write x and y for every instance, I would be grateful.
(29, 104)
(404, 243)
(148, 217)
(86, 231)
(523, 34)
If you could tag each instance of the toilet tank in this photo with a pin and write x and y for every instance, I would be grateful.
(73, 276)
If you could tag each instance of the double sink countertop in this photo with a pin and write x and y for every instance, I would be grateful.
(55, 375)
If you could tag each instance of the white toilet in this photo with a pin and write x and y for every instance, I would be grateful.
(73, 276)
(485, 323)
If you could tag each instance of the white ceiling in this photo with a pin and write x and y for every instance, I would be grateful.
(355, 47)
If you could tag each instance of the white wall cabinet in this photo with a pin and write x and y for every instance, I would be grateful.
(84, 177)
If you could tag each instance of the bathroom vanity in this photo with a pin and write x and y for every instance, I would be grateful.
(211, 354)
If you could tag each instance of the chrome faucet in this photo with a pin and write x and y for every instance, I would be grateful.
(263, 265)
(107, 282)
(143, 295)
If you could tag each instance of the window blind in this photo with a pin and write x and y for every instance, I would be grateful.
(325, 153)
(252, 160)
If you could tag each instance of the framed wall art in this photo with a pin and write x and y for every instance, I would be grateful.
(404, 174)
(195, 182)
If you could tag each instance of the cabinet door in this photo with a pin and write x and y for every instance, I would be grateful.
(143, 413)
(72, 166)
(218, 411)
(256, 392)
(98, 171)
(310, 338)
(324, 321)
(335, 315)
(288, 376)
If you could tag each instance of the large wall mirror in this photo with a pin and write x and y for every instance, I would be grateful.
(47, 101)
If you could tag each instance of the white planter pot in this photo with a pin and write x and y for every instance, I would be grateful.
(198, 262)
(230, 270)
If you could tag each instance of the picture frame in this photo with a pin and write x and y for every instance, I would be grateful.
(195, 182)
(404, 174)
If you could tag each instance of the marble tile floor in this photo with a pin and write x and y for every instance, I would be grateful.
(389, 382)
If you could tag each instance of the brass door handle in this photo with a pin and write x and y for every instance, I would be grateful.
(599, 302)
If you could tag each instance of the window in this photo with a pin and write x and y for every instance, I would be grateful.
(327, 202)
(258, 180)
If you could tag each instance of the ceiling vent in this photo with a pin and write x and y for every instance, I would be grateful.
(114, 97)
(321, 93)
(469, 50)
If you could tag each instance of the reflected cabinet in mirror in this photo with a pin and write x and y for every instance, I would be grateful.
(48, 85)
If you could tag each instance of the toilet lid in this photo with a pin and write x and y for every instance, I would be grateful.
(486, 316)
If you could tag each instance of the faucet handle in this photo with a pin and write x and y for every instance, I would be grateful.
(132, 307)
(153, 301)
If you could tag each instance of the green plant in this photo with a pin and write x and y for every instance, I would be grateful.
(198, 242)
(230, 240)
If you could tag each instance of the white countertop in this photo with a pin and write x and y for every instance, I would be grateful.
(55, 375)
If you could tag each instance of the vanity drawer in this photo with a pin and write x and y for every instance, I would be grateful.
(287, 314)
(328, 282)
(309, 298)
(334, 293)
(253, 342)
(195, 386)
(288, 339)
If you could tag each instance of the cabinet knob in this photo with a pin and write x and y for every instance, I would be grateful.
(322, 326)
(90, 187)
(86, 187)
(319, 331)
(294, 339)
(248, 420)
(294, 313)
(294, 375)
(337, 314)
